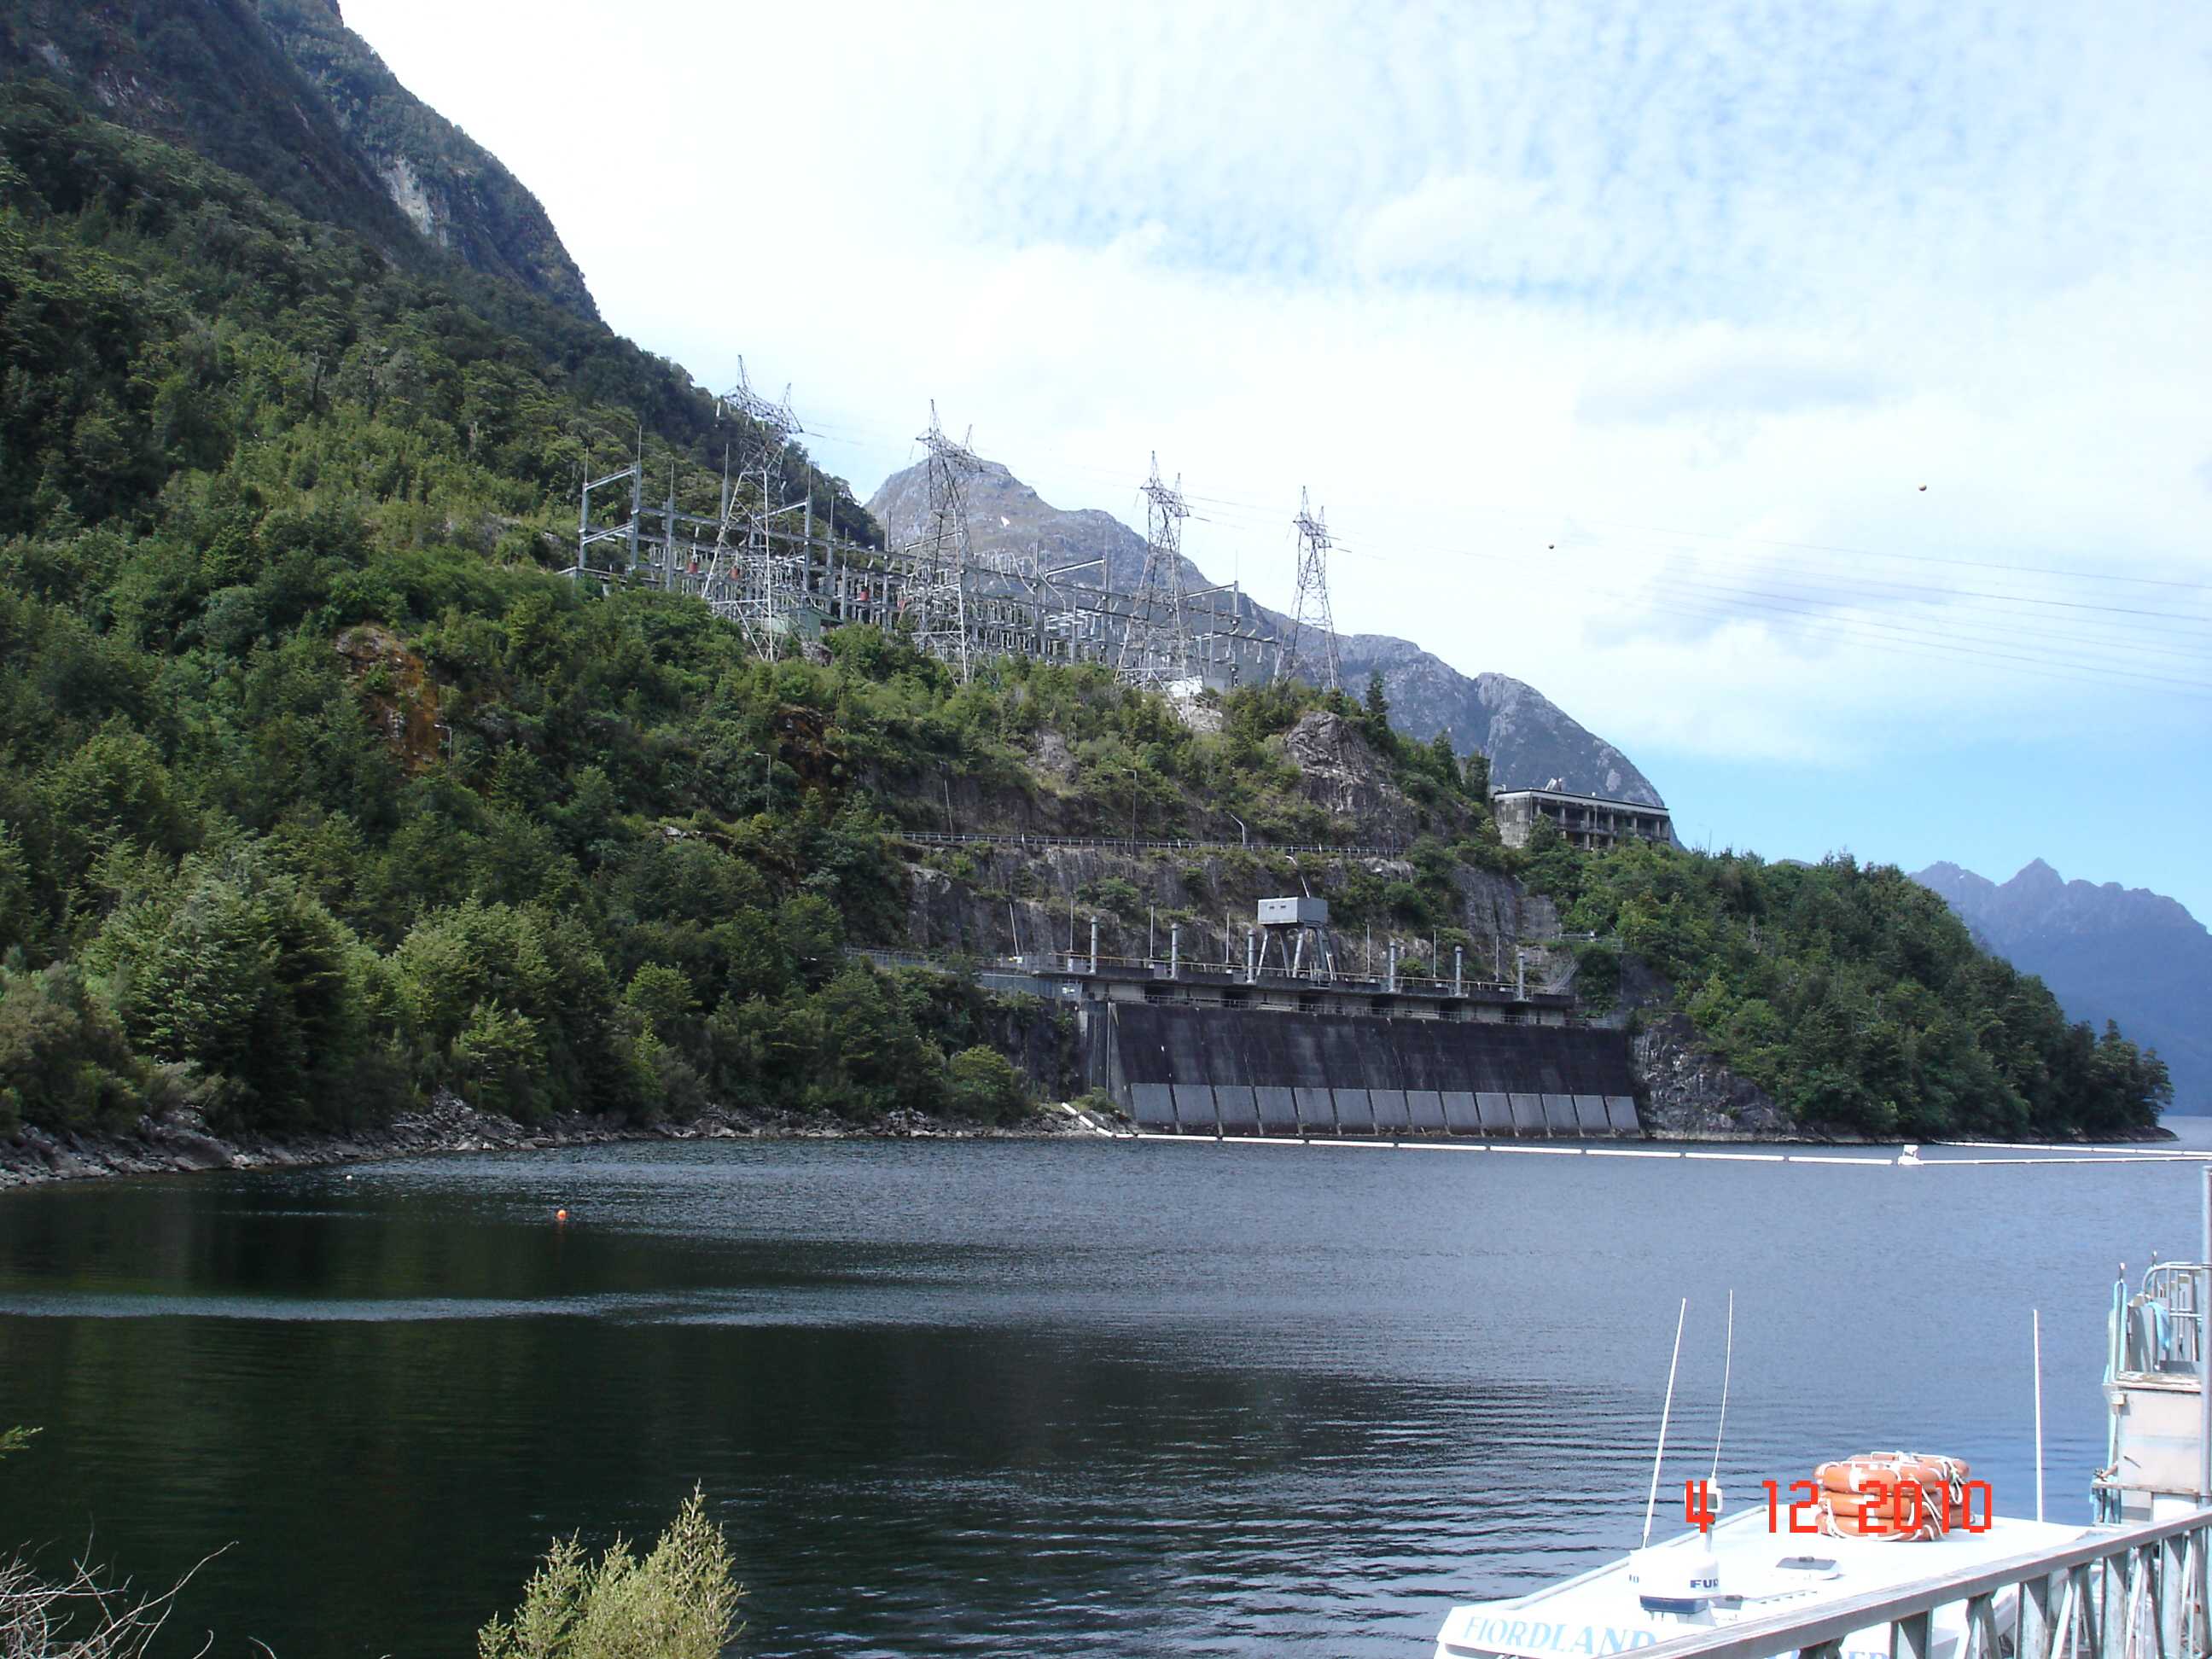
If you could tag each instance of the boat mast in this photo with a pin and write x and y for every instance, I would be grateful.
(1728, 1369)
(1651, 1502)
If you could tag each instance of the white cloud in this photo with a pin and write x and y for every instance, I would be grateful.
(1477, 228)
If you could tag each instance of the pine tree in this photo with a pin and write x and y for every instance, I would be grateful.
(1477, 774)
(1444, 760)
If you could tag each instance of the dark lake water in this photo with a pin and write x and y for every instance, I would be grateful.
(1017, 1397)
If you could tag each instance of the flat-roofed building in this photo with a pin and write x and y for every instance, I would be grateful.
(1587, 821)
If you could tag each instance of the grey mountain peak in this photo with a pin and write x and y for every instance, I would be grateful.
(2108, 952)
(1529, 739)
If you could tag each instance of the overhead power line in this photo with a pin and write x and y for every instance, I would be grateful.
(1918, 642)
(2092, 624)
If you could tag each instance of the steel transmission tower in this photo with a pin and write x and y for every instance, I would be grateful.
(778, 424)
(937, 597)
(741, 582)
(1155, 648)
(1311, 613)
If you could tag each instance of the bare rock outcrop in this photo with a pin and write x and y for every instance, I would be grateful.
(1340, 773)
(1690, 1095)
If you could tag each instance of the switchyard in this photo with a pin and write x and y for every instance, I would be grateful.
(785, 577)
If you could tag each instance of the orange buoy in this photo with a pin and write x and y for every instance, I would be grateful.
(560, 1215)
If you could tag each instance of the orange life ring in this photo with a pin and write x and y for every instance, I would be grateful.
(1850, 1473)
(1861, 1496)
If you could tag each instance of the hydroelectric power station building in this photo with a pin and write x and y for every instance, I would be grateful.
(1286, 1045)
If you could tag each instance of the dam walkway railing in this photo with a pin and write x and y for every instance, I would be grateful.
(1043, 973)
(1131, 843)
(2128, 1593)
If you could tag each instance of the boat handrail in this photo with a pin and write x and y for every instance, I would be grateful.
(2070, 1593)
(2160, 1327)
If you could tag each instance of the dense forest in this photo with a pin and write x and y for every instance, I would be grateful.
(322, 790)
(1851, 993)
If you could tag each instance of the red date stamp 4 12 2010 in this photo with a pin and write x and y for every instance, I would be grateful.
(1882, 1507)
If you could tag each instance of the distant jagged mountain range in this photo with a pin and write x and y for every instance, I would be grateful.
(2108, 952)
(320, 124)
(1529, 740)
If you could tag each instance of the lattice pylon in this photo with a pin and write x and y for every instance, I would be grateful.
(1155, 646)
(776, 419)
(743, 583)
(937, 593)
(1311, 613)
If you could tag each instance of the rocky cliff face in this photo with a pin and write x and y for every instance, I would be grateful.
(1011, 899)
(1529, 739)
(2106, 952)
(1006, 901)
(284, 93)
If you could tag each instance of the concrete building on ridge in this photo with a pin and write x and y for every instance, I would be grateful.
(1587, 821)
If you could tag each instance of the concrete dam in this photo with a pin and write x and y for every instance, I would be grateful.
(1196, 1069)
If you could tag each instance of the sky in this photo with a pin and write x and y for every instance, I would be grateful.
(1814, 401)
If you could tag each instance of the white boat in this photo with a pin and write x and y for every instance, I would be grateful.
(1753, 1565)
(1742, 1570)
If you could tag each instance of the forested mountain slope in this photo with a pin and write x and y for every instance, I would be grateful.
(320, 791)
(282, 93)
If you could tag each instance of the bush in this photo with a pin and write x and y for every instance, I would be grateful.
(497, 1058)
(64, 1061)
(1597, 979)
(242, 977)
(1099, 1104)
(1852, 995)
(987, 1087)
(679, 1602)
(1113, 894)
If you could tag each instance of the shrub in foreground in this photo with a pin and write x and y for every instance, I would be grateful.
(679, 1602)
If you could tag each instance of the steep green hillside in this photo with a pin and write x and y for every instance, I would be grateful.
(284, 675)
(319, 789)
(213, 78)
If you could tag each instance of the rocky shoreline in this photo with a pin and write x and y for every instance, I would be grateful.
(1696, 1106)
(184, 1144)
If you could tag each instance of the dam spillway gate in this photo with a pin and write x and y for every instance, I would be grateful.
(1208, 1056)
(1241, 1072)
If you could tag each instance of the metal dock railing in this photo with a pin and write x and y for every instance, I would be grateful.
(2128, 1593)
